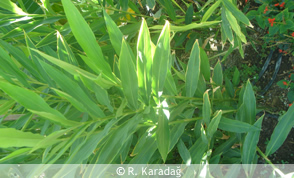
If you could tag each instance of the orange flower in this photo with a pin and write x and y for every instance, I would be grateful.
(246, 1)
(292, 34)
(290, 105)
(267, 32)
(266, 9)
(271, 21)
(283, 4)
(277, 4)
(290, 75)
(280, 51)
(285, 83)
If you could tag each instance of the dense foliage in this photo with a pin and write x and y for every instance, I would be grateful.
(94, 82)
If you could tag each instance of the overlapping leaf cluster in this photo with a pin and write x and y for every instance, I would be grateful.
(120, 103)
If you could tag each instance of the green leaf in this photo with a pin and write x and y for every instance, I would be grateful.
(73, 101)
(73, 89)
(206, 112)
(281, 131)
(163, 134)
(170, 9)
(145, 154)
(234, 10)
(175, 134)
(161, 60)
(229, 87)
(119, 136)
(144, 62)
(250, 144)
(8, 5)
(236, 77)
(9, 67)
(197, 150)
(249, 103)
(213, 125)
(64, 51)
(193, 70)
(226, 26)
(100, 93)
(184, 152)
(187, 27)
(114, 32)
(15, 154)
(6, 106)
(209, 12)
(217, 75)
(90, 143)
(189, 15)
(128, 76)
(86, 39)
(235, 26)
(170, 84)
(236, 126)
(204, 65)
(35, 104)
(10, 137)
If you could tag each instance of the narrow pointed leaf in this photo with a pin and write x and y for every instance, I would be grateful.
(144, 62)
(206, 112)
(236, 126)
(238, 14)
(128, 75)
(193, 70)
(10, 137)
(213, 125)
(163, 134)
(209, 12)
(86, 39)
(217, 76)
(161, 60)
(281, 131)
(35, 104)
(114, 32)
(250, 144)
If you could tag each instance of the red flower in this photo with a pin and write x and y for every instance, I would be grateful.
(277, 4)
(285, 52)
(271, 21)
(292, 34)
(290, 105)
(282, 5)
(290, 75)
(266, 9)
(267, 32)
(246, 1)
(285, 83)
(280, 51)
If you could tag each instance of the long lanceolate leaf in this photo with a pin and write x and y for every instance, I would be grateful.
(283, 128)
(128, 75)
(161, 60)
(144, 62)
(10, 137)
(35, 104)
(163, 134)
(115, 34)
(86, 39)
(72, 88)
(193, 70)
(250, 144)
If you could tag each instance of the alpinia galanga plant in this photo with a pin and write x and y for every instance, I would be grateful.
(134, 108)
